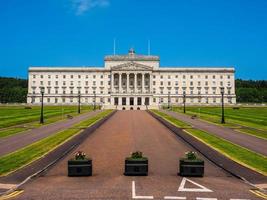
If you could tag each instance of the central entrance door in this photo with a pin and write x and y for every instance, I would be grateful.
(139, 101)
(131, 101)
(124, 101)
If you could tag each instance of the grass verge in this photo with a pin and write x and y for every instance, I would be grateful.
(28, 154)
(235, 152)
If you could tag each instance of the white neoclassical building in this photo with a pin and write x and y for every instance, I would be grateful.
(131, 81)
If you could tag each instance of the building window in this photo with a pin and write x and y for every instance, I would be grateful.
(176, 82)
(228, 76)
(183, 76)
(49, 82)
(198, 83)
(154, 82)
(56, 100)
(94, 83)
(49, 76)
(86, 77)
(63, 100)
(176, 76)
(34, 76)
(41, 82)
(206, 83)
(154, 76)
(169, 83)
(221, 77)
(71, 76)
(101, 76)
(64, 76)
(93, 76)
(213, 76)
(101, 82)
(48, 100)
(71, 83)
(79, 76)
(191, 83)
(161, 82)
(56, 91)
(161, 76)
(42, 76)
(221, 83)
(56, 83)
(56, 76)
(206, 77)
(169, 77)
(191, 76)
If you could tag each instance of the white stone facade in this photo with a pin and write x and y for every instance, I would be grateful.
(131, 81)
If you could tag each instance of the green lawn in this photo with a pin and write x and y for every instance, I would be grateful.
(26, 155)
(15, 119)
(248, 120)
(240, 154)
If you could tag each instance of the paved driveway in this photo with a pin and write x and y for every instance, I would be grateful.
(123, 133)
(247, 141)
(17, 141)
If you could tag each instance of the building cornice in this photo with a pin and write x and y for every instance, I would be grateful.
(131, 58)
(162, 69)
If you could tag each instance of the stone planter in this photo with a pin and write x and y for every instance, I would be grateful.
(80, 167)
(136, 167)
(191, 167)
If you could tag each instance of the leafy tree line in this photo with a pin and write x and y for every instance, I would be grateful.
(251, 91)
(13, 90)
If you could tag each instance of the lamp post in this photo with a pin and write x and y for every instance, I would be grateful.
(79, 102)
(184, 100)
(94, 101)
(168, 100)
(222, 93)
(42, 106)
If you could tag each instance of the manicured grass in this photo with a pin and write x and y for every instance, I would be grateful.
(26, 155)
(15, 119)
(171, 119)
(252, 119)
(240, 154)
(15, 115)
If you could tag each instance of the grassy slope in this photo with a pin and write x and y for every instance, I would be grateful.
(26, 155)
(29, 118)
(253, 119)
(240, 154)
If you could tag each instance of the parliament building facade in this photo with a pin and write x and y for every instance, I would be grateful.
(131, 81)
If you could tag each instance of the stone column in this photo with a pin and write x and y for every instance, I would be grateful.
(111, 82)
(135, 82)
(143, 82)
(128, 81)
(119, 82)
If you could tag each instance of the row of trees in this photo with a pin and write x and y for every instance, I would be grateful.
(13, 90)
(250, 91)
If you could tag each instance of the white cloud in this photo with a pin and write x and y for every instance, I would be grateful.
(82, 6)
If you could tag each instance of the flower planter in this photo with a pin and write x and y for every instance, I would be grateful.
(136, 167)
(80, 167)
(191, 167)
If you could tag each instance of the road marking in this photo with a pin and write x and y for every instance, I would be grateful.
(239, 199)
(200, 189)
(201, 198)
(172, 197)
(258, 193)
(7, 186)
(11, 195)
(138, 197)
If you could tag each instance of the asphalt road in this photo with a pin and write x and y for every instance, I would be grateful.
(124, 132)
(250, 142)
(20, 140)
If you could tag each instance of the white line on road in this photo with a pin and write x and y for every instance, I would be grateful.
(200, 189)
(138, 197)
(172, 197)
(201, 198)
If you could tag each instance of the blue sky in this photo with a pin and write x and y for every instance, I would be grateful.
(182, 33)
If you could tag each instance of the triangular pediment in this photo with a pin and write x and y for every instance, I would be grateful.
(131, 66)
